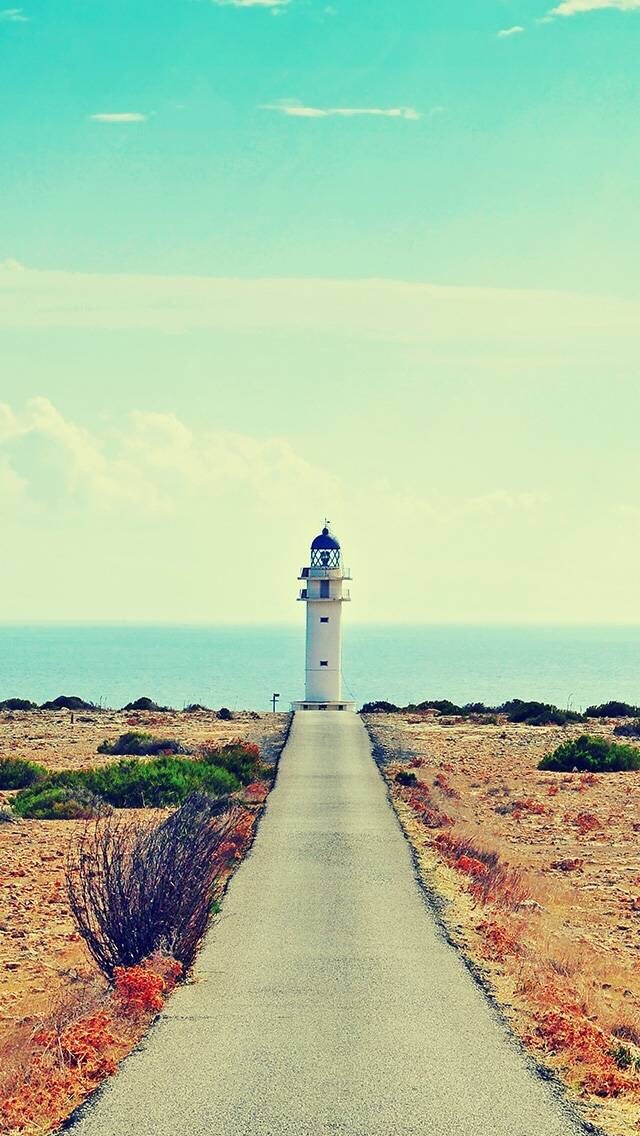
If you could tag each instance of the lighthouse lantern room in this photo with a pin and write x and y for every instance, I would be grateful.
(323, 593)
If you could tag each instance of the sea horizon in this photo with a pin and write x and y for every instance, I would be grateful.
(240, 665)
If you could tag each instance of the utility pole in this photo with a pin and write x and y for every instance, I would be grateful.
(274, 699)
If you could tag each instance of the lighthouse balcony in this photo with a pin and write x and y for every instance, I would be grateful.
(344, 598)
(325, 574)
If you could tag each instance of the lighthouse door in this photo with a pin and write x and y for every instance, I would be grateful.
(324, 590)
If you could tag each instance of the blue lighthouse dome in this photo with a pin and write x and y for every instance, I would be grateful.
(326, 540)
(325, 550)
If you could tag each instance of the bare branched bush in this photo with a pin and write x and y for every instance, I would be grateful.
(135, 889)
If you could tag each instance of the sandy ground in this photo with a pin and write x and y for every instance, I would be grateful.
(41, 956)
(576, 838)
(492, 767)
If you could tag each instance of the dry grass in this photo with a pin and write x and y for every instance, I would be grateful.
(540, 874)
(48, 982)
(50, 1066)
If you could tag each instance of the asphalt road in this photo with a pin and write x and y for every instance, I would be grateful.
(326, 1001)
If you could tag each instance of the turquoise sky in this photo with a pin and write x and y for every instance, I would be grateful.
(194, 364)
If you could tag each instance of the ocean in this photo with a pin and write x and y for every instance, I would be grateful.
(240, 667)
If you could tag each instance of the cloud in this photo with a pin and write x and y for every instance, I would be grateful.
(146, 465)
(414, 313)
(575, 7)
(296, 110)
(14, 16)
(506, 33)
(128, 116)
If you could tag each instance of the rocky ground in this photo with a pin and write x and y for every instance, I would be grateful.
(574, 844)
(41, 955)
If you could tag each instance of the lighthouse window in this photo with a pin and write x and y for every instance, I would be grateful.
(324, 618)
(324, 589)
(324, 662)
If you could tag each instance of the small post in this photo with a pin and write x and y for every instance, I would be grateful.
(274, 699)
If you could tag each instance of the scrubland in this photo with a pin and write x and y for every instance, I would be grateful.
(63, 1026)
(536, 879)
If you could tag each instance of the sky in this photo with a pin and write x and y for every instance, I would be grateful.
(264, 262)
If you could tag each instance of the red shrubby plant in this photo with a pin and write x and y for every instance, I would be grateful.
(601, 1056)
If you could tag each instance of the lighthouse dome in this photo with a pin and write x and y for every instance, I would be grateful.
(326, 540)
(325, 550)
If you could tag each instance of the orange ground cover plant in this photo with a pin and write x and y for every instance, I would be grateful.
(71, 1052)
(560, 1026)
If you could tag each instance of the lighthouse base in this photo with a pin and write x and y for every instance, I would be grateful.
(306, 704)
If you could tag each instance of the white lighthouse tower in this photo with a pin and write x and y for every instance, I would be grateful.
(324, 594)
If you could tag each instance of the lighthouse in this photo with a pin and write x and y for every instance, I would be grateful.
(323, 594)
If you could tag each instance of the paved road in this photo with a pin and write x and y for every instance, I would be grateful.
(326, 1001)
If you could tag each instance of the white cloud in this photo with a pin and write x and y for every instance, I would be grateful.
(296, 110)
(506, 33)
(574, 7)
(129, 116)
(14, 16)
(420, 314)
(147, 464)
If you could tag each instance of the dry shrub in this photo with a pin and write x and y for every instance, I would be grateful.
(56, 1062)
(134, 890)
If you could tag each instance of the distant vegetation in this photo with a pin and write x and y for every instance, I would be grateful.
(592, 755)
(74, 703)
(515, 710)
(133, 783)
(628, 729)
(146, 704)
(531, 713)
(612, 710)
(18, 774)
(68, 702)
(442, 706)
(138, 744)
(538, 713)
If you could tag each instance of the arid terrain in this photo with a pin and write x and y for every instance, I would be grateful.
(536, 877)
(43, 960)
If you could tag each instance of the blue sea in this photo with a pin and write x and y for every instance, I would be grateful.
(240, 667)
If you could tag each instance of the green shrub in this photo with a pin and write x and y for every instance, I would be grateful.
(442, 705)
(379, 708)
(538, 713)
(18, 774)
(127, 784)
(242, 759)
(162, 781)
(224, 714)
(477, 708)
(146, 704)
(138, 744)
(628, 729)
(612, 710)
(405, 777)
(68, 702)
(17, 704)
(592, 755)
(57, 803)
